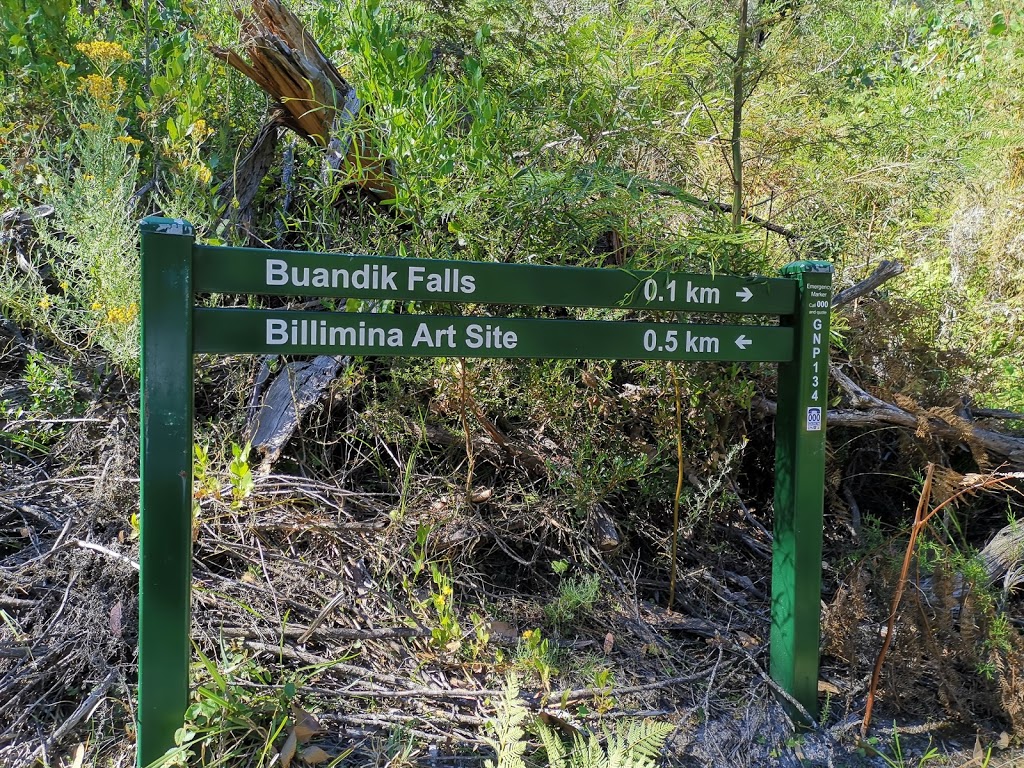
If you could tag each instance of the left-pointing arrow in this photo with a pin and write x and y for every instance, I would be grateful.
(745, 295)
(743, 342)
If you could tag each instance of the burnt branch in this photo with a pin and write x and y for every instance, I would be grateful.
(885, 271)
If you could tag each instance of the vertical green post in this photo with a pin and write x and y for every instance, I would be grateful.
(800, 488)
(165, 548)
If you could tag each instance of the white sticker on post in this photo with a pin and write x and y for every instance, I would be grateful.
(814, 419)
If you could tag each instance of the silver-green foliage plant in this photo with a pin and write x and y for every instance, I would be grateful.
(630, 744)
(84, 289)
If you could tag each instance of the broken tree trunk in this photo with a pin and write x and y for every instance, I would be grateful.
(316, 101)
(294, 391)
(238, 193)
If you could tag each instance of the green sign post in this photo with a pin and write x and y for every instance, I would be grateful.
(799, 487)
(175, 268)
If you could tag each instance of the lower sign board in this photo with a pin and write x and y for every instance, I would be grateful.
(267, 332)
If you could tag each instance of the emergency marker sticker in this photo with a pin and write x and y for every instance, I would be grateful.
(814, 419)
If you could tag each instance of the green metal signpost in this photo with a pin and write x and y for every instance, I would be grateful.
(175, 268)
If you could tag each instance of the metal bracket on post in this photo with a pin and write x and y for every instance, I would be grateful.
(799, 488)
(165, 544)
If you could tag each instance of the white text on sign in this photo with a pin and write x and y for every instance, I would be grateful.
(374, 277)
(320, 333)
(818, 307)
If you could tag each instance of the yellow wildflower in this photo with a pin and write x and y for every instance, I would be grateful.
(122, 315)
(63, 65)
(204, 174)
(129, 140)
(100, 87)
(199, 131)
(103, 54)
(88, 126)
(97, 305)
(44, 302)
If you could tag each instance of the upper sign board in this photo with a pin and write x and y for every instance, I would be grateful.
(297, 273)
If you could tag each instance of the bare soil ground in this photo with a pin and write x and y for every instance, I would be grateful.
(317, 593)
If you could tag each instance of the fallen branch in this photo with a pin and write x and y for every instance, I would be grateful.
(496, 448)
(886, 270)
(389, 722)
(108, 552)
(871, 412)
(83, 711)
(537, 700)
(575, 694)
(300, 632)
(360, 673)
(661, 189)
(716, 207)
(996, 413)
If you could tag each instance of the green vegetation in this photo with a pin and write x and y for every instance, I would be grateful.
(576, 598)
(630, 744)
(443, 501)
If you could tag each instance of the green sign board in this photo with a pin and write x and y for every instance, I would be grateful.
(233, 331)
(290, 273)
(174, 328)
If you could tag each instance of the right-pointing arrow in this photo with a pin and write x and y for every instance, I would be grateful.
(745, 295)
(743, 342)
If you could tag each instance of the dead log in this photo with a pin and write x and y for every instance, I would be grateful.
(1002, 561)
(990, 449)
(496, 449)
(1003, 557)
(949, 425)
(295, 390)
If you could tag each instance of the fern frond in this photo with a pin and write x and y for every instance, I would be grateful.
(553, 746)
(507, 726)
(587, 752)
(636, 744)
